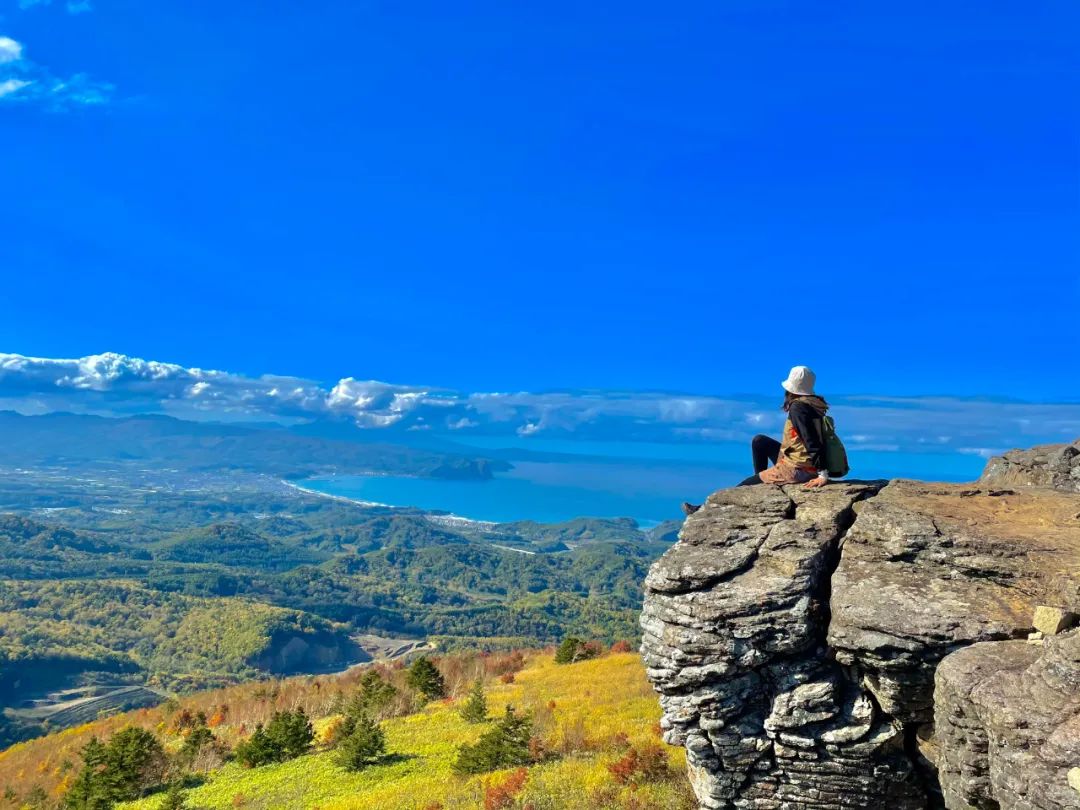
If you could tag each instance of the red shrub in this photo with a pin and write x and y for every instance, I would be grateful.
(507, 678)
(501, 796)
(593, 649)
(505, 663)
(649, 763)
(220, 715)
(183, 720)
(621, 647)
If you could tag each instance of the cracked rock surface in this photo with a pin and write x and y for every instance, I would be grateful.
(795, 638)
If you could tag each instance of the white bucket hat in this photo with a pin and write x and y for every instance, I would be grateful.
(800, 381)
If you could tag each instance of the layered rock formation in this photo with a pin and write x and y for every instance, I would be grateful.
(1051, 465)
(794, 637)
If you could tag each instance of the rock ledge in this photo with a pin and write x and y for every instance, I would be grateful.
(806, 644)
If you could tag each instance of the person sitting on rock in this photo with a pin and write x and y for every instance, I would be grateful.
(800, 456)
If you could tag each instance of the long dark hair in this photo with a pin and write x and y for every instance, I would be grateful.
(790, 398)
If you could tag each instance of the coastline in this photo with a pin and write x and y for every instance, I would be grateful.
(346, 499)
(449, 519)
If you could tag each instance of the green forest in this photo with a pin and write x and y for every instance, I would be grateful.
(180, 587)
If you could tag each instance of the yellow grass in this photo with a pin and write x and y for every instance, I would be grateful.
(586, 713)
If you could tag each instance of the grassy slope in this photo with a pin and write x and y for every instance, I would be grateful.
(587, 704)
(605, 697)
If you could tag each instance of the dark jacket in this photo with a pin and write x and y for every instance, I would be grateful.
(805, 414)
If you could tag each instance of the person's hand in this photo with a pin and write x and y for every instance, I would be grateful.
(814, 483)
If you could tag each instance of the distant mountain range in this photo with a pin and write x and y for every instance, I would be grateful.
(112, 384)
(75, 440)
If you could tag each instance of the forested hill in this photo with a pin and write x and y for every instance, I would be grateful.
(175, 582)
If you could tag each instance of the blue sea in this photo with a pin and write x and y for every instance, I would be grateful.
(647, 482)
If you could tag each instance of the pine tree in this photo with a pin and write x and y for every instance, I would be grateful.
(258, 749)
(426, 679)
(568, 650)
(94, 754)
(475, 708)
(130, 765)
(503, 746)
(363, 746)
(374, 695)
(134, 763)
(174, 798)
(198, 737)
(291, 733)
(573, 649)
(89, 791)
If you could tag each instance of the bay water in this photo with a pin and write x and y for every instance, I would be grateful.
(553, 480)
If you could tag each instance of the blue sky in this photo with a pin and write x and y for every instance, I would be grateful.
(490, 197)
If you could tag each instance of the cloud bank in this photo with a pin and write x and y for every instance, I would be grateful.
(114, 385)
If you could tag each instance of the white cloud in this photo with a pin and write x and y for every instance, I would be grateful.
(10, 50)
(22, 80)
(9, 86)
(116, 384)
(982, 452)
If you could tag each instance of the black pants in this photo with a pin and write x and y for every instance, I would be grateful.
(764, 449)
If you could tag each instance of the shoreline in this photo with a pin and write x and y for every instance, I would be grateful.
(345, 498)
(450, 519)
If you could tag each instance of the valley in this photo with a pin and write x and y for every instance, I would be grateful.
(124, 581)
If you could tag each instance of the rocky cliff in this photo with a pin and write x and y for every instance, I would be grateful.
(866, 645)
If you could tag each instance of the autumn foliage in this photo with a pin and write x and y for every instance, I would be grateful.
(646, 763)
(501, 795)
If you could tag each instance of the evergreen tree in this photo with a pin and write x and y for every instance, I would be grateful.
(286, 736)
(94, 754)
(363, 746)
(88, 792)
(199, 737)
(503, 746)
(426, 679)
(475, 708)
(374, 695)
(291, 733)
(174, 798)
(134, 762)
(256, 750)
(573, 649)
(127, 768)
